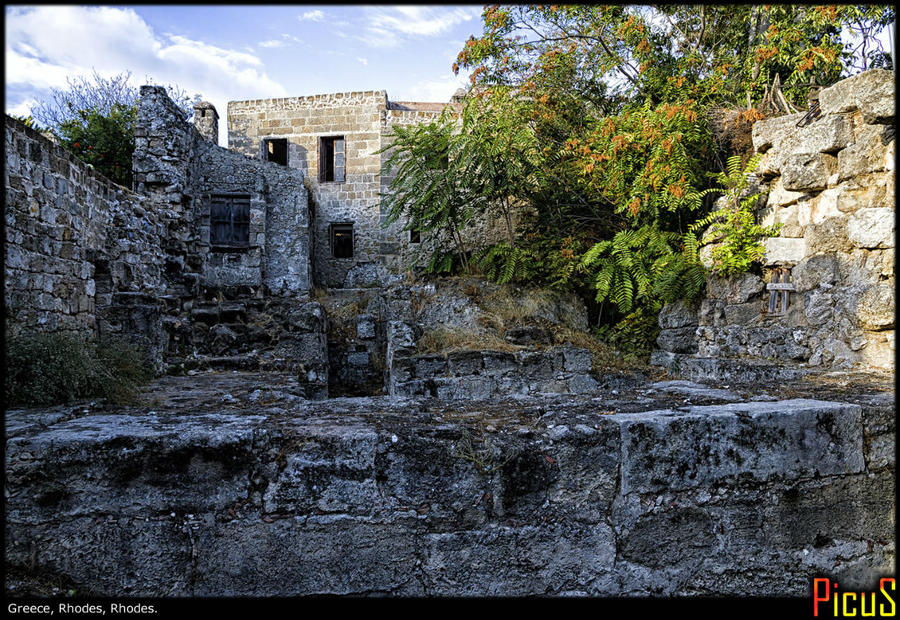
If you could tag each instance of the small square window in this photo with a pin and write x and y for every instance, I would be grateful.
(277, 151)
(342, 240)
(332, 161)
(229, 221)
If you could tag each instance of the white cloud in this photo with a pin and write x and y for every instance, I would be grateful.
(433, 90)
(389, 26)
(312, 16)
(286, 39)
(47, 44)
(363, 61)
(22, 109)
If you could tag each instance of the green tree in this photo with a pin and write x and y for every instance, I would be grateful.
(95, 116)
(428, 190)
(106, 141)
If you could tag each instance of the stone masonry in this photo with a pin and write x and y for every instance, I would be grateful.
(831, 184)
(363, 122)
(227, 489)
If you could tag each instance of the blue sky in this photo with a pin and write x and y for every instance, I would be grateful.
(230, 52)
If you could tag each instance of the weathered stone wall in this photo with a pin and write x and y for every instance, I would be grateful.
(365, 120)
(82, 253)
(482, 375)
(265, 495)
(175, 166)
(831, 185)
(357, 117)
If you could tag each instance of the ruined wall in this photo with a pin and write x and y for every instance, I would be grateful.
(176, 167)
(226, 489)
(831, 184)
(365, 120)
(302, 121)
(482, 375)
(82, 253)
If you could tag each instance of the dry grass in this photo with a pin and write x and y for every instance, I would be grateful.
(512, 308)
(342, 317)
(603, 356)
(445, 340)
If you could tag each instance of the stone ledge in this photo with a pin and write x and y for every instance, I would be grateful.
(350, 495)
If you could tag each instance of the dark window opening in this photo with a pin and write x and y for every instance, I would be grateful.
(203, 113)
(332, 161)
(415, 236)
(342, 240)
(229, 221)
(276, 151)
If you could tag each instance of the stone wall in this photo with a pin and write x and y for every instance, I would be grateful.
(226, 489)
(831, 184)
(365, 120)
(82, 253)
(176, 167)
(302, 121)
(482, 375)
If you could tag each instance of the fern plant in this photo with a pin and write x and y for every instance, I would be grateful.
(643, 267)
(733, 226)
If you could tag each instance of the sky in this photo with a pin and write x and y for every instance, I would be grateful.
(228, 53)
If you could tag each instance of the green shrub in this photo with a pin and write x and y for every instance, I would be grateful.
(49, 369)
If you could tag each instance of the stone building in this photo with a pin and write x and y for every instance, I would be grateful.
(214, 251)
(335, 141)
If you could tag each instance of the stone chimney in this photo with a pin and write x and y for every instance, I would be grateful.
(206, 120)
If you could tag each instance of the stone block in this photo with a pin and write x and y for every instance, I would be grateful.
(779, 196)
(815, 271)
(870, 92)
(678, 340)
(868, 154)
(786, 440)
(879, 352)
(822, 206)
(576, 360)
(464, 363)
(464, 388)
(678, 314)
(807, 172)
(743, 314)
(365, 327)
(428, 366)
(536, 364)
(829, 236)
(401, 335)
(772, 132)
(781, 251)
(875, 307)
(827, 134)
(582, 384)
(871, 228)
(498, 362)
(735, 290)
